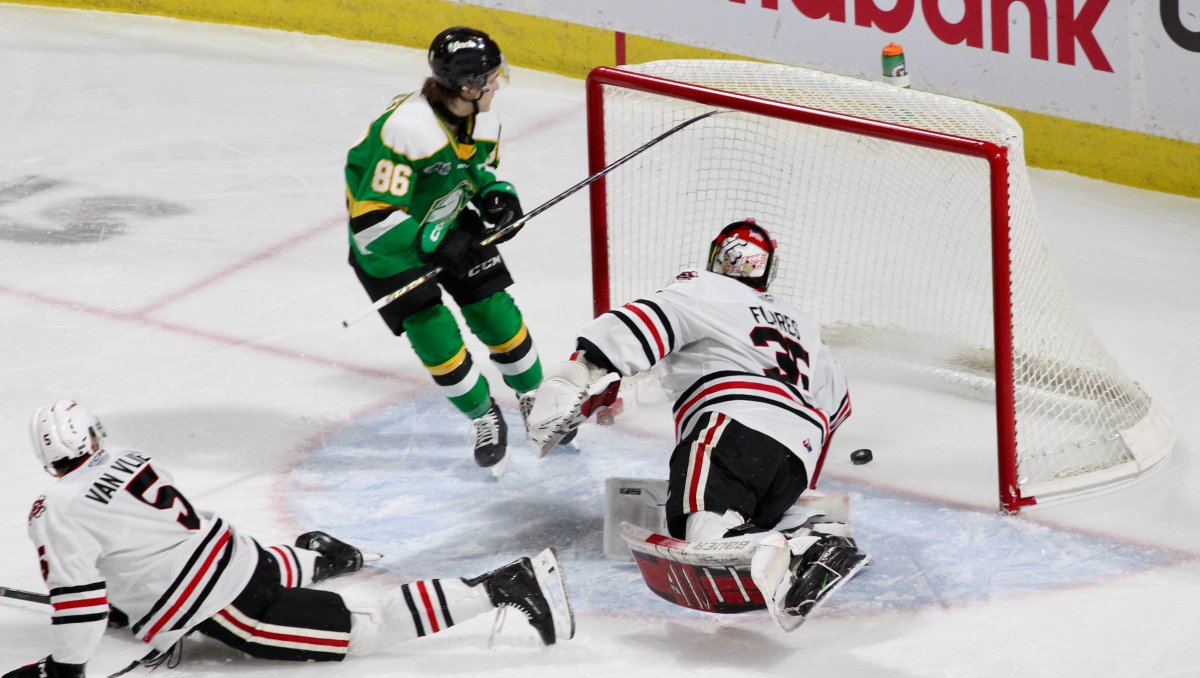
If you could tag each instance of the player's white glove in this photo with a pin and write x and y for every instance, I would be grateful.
(564, 400)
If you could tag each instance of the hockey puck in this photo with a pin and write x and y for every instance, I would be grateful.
(861, 456)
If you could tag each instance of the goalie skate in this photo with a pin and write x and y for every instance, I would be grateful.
(709, 576)
(815, 576)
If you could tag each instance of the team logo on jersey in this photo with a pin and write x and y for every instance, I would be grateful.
(39, 507)
(442, 168)
(686, 275)
(807, 444)
(447, 207)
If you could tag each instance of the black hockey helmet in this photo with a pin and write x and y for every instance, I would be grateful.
(464, 57)
(745, 251)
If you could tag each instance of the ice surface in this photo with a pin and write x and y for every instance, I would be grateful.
(174, 256)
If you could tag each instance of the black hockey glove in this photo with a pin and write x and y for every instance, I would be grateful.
(458, 251)
(47, 668)
(501, 207)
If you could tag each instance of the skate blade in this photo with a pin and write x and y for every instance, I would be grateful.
(371, 556)
(498, 468)
(556, 438)
(550, 579)
(545, 448)
(540, 450)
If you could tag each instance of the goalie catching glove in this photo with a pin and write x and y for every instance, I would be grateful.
(567, 397)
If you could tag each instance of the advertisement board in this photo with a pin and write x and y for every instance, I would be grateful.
(1131, 65)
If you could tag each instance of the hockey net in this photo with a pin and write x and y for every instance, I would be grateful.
(907, 230)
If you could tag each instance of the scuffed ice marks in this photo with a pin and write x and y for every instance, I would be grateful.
(402, 482)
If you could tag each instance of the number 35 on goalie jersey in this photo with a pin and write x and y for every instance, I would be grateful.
(723, 346)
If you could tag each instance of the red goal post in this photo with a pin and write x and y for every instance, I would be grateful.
(917, 235)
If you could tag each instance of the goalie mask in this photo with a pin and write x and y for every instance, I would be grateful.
(64, 432)
(462, 57)
(744, 250)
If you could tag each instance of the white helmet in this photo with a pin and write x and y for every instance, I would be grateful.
(63, 431)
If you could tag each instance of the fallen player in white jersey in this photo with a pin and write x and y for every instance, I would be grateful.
(115, 529)
(757, 397)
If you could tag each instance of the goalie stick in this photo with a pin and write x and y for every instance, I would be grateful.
(28, 596)
(384, 301)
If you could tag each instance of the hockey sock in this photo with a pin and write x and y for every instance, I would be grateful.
(416, 610)
(296, 565)
(435, 338)
(497, 322)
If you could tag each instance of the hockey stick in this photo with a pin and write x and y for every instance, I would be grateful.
(27, 596)
(384, 301)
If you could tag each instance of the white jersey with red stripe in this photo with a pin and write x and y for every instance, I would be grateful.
(722, 346)
(116, 530)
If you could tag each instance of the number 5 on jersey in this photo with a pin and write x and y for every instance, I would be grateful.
(165, 499)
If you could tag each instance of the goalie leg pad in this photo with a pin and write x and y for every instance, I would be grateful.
(769, 569)
(639, 501)
(712, 576)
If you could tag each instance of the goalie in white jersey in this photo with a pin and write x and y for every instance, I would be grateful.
(757, 397)
(114, 529)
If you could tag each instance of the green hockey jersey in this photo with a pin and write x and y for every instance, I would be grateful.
(409, 171)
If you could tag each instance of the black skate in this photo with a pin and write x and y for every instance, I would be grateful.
(536, 588)
(337, 557)
(823, 569)
(491, 439)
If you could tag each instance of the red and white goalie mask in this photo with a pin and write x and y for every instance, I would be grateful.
(743, 250)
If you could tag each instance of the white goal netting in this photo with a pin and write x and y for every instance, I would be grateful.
(886, 241)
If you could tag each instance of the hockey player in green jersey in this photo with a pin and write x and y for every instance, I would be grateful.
(421, 192)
